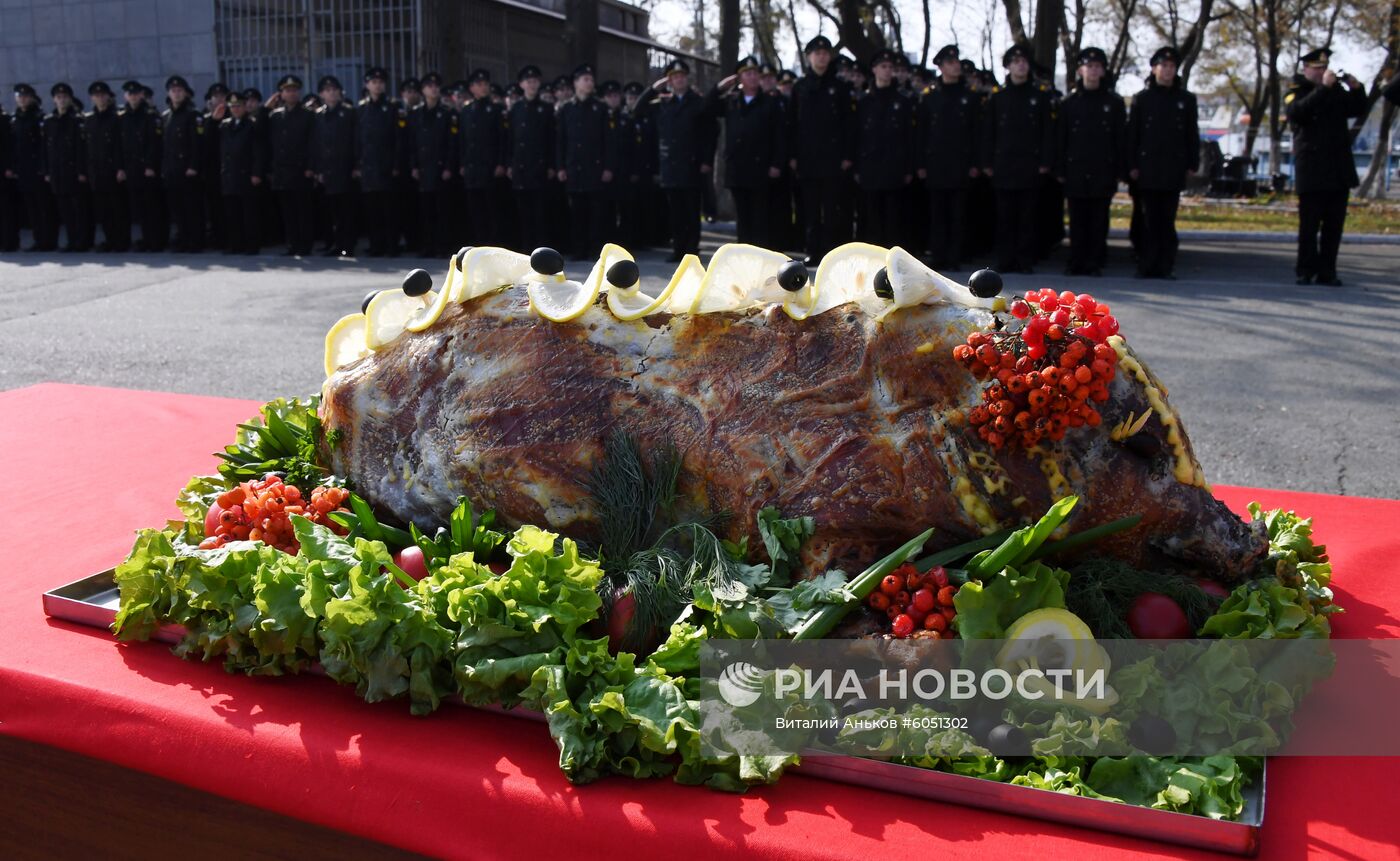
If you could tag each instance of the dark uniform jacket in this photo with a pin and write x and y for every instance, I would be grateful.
(884, 139)
(482, 128)
(583, 147)
(1089, 156)
(377, 143)
(28, 127)
(1163, 139)
(946, 135)
(821, 125)
(1018, 135)
(755, 137)
(530, 142)
(333, 147)
(140, 131)
(7, 146)
(685, 136)
(240, 155)
(1321, 136)
(209, 146)
(65, 157)
(102, 130)
(432, 143)
(182, 138)
(289, 133)
(622, 144)
(644, 144)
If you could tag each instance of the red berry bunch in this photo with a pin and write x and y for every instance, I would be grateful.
(1045, 377)
(262, 511)
(918, 605)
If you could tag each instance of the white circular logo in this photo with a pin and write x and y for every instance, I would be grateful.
(741, 684)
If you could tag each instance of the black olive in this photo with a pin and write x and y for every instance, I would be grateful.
(624, 274)
(981, 726)
(364, 306)
(546, 261)
(1144, 445)
(985, 283)
(460, 257)
(792, 276)
(883, 289)
(1008, 740)
(417, 283)
(1152, 734)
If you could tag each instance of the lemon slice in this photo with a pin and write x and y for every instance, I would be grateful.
(597, 276)
(560, 301)
(390, 312)
(486, 269)
(1051, 638)
(634, 303)
(431, 311)
(847, 274)
(684, 287)
(914, 283)
(345, 342)
(740, 277)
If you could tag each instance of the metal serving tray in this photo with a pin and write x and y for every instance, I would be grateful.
(93, 601)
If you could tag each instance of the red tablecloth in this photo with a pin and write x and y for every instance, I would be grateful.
(83, 467)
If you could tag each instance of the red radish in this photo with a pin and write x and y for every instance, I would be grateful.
(412, 561)
(624, 608)
(1154, 616)
(1210, 587)
(211, 520)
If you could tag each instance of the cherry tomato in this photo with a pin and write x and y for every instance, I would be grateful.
(1154, 616)
(411, 560)
(1210, 587)
(211, 520)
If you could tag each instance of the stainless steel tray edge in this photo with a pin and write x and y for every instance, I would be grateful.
(93, 601)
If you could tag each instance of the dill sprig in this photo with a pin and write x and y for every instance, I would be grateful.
(1102, 590)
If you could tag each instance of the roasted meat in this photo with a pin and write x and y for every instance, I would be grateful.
(857, 421)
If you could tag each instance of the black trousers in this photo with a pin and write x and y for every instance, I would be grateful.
(109, 209)
(185, 197)
(684, 206)
(9, 215)
(1088, 234)
(240, 220)
(751, 215)
(432, 223)
(409, 213)
(1324, 212)
(822, 214)
(298, 225)
(1157, 248)
(148, 214)
(947, 211)
(340, 208)
(883, 214)
(531, 206)
(481, 215)
(1016, 228)
(74, 210)
(381, 220)
(586, 212)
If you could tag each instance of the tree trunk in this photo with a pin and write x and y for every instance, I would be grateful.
(581, 32)
(928, 34)
(1045, 42)
(728, 35)
(1373, 186)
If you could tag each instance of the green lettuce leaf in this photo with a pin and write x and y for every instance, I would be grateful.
(986, 608)
(783, 538)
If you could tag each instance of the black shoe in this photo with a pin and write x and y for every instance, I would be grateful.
(374, 252)
(1168, 277)
(674, 258)
(345, 254)
(1027, 270)
(811, 262)
(1332, 281)
(1071, 271)
(1304, 280)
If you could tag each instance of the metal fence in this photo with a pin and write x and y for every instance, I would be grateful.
(259, 41)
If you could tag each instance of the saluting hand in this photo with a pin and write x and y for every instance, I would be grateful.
(728, 82)
(191, 172)
(150, 172)
(659, 82)
(1329, 78)
(774, 172)
(562, 175)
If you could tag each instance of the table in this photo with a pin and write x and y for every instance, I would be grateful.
(84, 467)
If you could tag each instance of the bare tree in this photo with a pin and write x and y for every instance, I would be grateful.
(1380, 156)
(928, 34)
(729, 23)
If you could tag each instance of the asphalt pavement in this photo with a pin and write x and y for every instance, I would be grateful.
(1278, 385)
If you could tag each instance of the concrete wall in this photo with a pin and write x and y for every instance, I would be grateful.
(42, 43)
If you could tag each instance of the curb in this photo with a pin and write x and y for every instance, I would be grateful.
(1263, 236)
